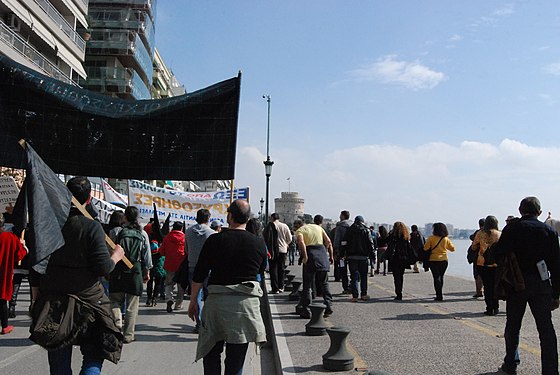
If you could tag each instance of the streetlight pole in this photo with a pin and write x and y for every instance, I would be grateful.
(267, 163)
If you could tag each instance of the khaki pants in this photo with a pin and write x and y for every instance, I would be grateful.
(170, 287)
(132, 301)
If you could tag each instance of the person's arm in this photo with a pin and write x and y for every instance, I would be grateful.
(194, 308)
(146, 257)
(301, 247)
(328, 244)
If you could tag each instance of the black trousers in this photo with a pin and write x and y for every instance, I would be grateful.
(438, 271)
(398, 278)
(276, 268)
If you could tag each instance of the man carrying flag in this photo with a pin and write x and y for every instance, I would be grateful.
(70, 253)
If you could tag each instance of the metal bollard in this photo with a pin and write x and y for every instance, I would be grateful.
(295, 293)
(316, 325)
(338, 358)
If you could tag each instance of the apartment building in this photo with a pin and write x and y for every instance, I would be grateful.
(41, 34)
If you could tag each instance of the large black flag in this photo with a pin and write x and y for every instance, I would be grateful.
(42, 208)
(80, 132)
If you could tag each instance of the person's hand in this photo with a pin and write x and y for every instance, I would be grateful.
(193, 310)
(555, 304)
(147, 276)
(117, 253)
(304, 259)
(331, 259)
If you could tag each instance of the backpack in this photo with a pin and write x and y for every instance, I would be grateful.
(123, 279)
(132, 241)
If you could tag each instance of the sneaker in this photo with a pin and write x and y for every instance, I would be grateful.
(178, 306)
(438, 298)
(281, 290)
(7, 330)
(328, 312)
(12, 312)
(364, 297)
(354, 299)
(128, 340)
(347, 292)
(477, 295)
(505, 371)
(169, 306)
(398, 298)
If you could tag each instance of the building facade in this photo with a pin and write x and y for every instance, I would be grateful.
(45, 36)
(289, 207)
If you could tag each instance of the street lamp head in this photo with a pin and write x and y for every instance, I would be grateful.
(268, 167)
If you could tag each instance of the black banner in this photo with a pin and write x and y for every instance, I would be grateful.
(79, 132)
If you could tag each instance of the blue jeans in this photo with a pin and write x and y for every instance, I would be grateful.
(60, 362)
(235, 357)
(358, 274)
(538, 294)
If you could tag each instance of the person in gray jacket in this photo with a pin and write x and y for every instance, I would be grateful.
(196, 236)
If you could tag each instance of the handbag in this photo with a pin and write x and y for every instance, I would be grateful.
(425, 255)
(472, 255)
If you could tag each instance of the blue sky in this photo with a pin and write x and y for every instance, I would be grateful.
(396, 110)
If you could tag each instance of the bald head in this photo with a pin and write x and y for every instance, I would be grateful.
(240, 211)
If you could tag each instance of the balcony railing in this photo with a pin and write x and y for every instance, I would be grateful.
(55, 15)
(150, 5)
(31, 54)
(116, 80)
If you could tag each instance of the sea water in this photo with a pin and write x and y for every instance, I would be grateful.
(458, 265)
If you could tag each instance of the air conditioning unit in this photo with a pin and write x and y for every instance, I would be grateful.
(14, 22)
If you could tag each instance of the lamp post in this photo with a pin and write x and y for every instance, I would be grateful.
(267, 163)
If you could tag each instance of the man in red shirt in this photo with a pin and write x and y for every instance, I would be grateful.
(173, 249)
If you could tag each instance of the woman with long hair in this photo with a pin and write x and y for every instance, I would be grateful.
(485, 238)
(398, 255)
(381, 248)
(439, 244)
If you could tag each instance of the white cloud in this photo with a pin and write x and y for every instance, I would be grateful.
(455, 38)
(506, 11)
(455, 184)
(553, 68)
(389, 70)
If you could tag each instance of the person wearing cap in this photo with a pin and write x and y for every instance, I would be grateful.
(357, 248)
(71, 288)
(216, 226)
(535, 246)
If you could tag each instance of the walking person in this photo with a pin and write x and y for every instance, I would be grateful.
(357, 249)
(381, 248)
(485, 238)
(11, 252)
(292, 247)
(157, 274)
(340, 264)
(196, 236)
(277, 236)
(126, 285)
(473, 259)
(231, 260)
(535, 246)
(439, 244)
(399, 255)
(173, 249)
(417, 242)
(316, 255)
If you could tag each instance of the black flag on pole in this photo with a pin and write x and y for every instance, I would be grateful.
(42, 208)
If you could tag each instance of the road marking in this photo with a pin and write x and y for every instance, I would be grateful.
(19, 355)
(468, 322)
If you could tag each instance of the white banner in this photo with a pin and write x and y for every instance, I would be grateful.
(104, 209)
(111, 195)
(182, 206)
(8, 192)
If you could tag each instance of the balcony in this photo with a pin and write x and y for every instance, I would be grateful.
(57, 18)
(120, 81)
(150, 5)
(31, 54)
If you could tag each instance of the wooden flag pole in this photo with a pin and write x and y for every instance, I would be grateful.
(108, 239)
(84, 212)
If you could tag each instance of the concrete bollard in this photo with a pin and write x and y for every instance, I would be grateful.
(316, 325)
(295, 294)
(288, 281)
(338, 358)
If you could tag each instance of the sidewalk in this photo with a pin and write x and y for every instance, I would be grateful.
(413, 336)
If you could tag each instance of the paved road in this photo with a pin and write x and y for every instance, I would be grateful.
(413, 336)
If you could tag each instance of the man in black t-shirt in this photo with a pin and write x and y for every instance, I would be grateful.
(231, 260)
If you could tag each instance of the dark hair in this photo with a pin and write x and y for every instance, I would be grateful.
(116, 219)
(298, 223)
(274, 217)
(491, 222)
(253, 226)
(481, 223)
(177, 226)
(318, 219)
(80, 187)
(131, 214)
(2, 220)
(400, 231)
(240, 211)
(383, 231)
(439, 229)
(530, 206)
(345, 214)
(414, 228)
(202, 216)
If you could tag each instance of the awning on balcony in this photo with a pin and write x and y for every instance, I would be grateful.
(35, 24)
(65, 54)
